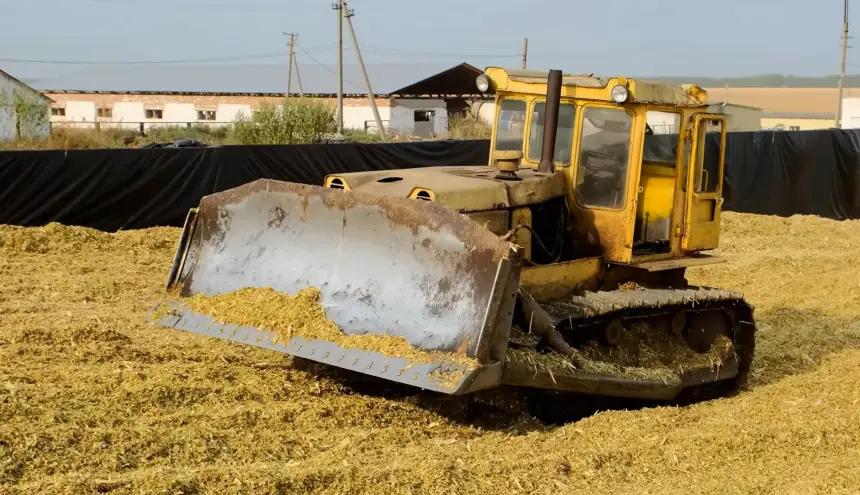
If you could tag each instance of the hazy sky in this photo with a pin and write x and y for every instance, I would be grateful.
(624, 37)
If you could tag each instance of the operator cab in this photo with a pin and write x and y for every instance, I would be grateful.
(642, 161)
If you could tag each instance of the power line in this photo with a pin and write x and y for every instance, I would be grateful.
(326, 67)
(396, 51)
(233, 58)
(252, 56)
(146, 62)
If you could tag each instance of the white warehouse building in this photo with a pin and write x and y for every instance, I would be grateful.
(411, 98)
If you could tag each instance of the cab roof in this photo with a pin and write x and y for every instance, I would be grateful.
(589, 86)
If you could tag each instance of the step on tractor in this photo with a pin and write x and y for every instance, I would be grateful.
(542, 268)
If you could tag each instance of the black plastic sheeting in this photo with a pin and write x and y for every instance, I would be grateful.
(794, 173)
(767, 172)
(128, 189)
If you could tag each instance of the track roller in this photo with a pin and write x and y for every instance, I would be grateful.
(678, 323)
(613, 331)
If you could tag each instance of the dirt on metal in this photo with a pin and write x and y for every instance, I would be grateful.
(302, 315)
(95, 400)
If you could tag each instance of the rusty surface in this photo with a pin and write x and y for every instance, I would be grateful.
(383, 265)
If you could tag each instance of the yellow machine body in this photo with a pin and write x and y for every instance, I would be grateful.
(661, 212)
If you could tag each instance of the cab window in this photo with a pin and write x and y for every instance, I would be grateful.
(662, 130)
(563, 134)
(710, 149)
(601, 179)
(511, 128)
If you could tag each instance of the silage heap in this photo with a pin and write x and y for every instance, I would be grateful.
(302, 315)
(95, 400)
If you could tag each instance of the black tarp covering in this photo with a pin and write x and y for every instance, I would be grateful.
(137, 188)
(767, 172)
(796, 172)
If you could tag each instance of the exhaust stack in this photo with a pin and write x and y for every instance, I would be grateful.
(553, 99)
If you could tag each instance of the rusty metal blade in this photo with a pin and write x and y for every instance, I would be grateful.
(383, 265)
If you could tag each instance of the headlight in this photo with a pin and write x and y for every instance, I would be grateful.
(483, 83)
(620, 94)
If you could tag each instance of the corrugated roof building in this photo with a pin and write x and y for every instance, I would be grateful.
(411, 98)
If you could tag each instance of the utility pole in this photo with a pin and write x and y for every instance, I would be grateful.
(338, 7)
(842, 71)
(348, 13)
(290, 69)
(299, 77)
(525, 52)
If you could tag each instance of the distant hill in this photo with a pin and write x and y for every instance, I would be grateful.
(763, 81)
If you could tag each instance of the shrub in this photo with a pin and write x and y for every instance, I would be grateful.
(297, 121)
(468, 127)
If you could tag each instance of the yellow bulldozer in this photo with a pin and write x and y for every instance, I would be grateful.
(542, 268)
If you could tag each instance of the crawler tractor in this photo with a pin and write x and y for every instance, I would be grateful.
(599, 194)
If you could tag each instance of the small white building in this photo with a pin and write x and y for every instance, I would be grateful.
(739, 118)
(851, 113)
(23, 110)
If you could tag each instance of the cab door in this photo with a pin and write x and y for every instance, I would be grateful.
(704, 183)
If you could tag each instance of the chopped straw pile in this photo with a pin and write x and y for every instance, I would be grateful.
(304, 316)
(95, 400)
(640, 354)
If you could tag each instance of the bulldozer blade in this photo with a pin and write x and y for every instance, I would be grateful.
(383, 265)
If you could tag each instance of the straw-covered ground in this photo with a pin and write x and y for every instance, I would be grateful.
(94, 400)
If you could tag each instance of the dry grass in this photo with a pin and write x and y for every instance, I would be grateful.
(93, 400)
(468, 127)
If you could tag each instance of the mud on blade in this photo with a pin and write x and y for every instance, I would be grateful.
(383, 265)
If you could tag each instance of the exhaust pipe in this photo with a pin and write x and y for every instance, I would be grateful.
(553, 99)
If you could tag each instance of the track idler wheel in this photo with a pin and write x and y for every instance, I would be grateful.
(612, 332)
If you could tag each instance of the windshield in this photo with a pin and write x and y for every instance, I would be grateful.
(511, 128)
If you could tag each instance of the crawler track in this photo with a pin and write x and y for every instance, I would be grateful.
(593, 310)
(706, 314)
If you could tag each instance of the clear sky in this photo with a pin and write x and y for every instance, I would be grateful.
(624, 37)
